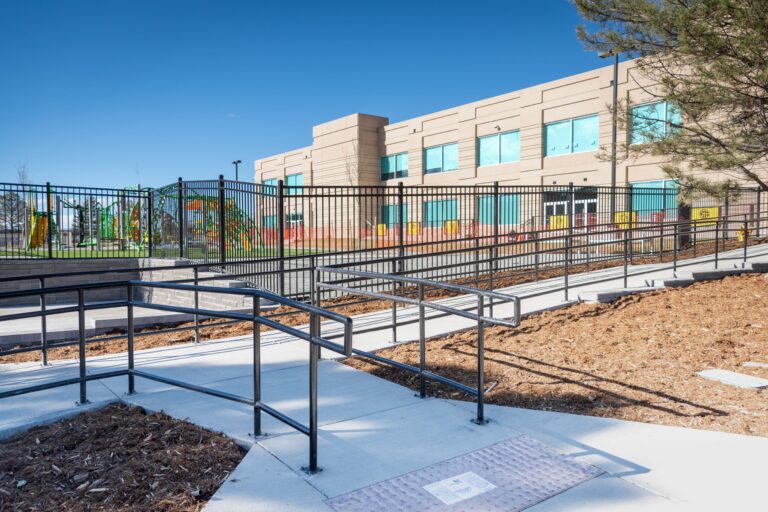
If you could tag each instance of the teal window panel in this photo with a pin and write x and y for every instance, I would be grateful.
(648, 122)
(509, 209)
(585, 133)
(269, 221)
(488, 150)
(389, 214)
(557, 138)
(401, 162)
(674, 118)
(294, 183)
(433, 160)
(436, 213)
(654, 196)
(509, 147)
(387, 167)
(270, 186)
(450, 157)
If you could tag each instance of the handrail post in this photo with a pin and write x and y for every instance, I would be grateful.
(43, 323)
(746, 238)
(197, 305)
(256, 367)
(566, 267)
(131, 380)
(674, 251)
(626, 262)
(81, 343)
(422, 345)
(536, 255)
(477, 262)
(757, 226)
(394, 305)
(480, 419)
(314, 356)
(717, 241)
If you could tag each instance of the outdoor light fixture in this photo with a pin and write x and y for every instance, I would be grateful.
(236, 163)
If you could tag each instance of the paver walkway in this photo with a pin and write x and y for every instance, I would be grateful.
(372, 430)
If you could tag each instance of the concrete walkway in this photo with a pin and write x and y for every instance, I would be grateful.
(372, 430)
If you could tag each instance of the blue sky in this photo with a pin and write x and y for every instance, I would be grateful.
(109, 93)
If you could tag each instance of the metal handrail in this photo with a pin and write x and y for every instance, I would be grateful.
(422, 304)
(316, 341)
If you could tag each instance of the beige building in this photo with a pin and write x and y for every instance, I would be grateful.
(548, 134)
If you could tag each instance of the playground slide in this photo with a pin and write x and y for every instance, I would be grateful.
(38, 233)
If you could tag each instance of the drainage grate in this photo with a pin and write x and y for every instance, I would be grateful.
(511, 475)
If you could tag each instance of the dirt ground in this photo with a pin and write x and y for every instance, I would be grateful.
(633, 359)
(117, 458)
(349, 306)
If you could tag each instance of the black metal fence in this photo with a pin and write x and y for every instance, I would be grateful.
(275, 235)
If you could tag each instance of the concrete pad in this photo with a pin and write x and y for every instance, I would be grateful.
(262, 483)
(734, 379)
(754, 364)
(367, 450)
(611, 295)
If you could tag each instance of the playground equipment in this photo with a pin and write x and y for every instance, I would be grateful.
(239, 228)
(39, 226)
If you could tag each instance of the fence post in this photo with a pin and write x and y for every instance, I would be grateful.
(81, 343)
(180, 209)
(422, 345)
(222, 221)
(256, 367)
(480, 361)
(150, 233)
(197, 305)
(496, 222)
(131, 379)
(314, 356)
(394, 304)
(746, 238)
(281, 235)
(727, 226)
(757, 227)
(674, 252)
(44, 324)
(717, 240)
(49, 214)
(626, 245)
(401, 223)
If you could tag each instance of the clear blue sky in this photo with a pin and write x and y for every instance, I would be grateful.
(107, 93)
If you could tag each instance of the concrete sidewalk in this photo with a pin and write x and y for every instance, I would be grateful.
(372, 430)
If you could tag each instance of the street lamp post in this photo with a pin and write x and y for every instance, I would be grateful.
(236, 163)
(614, 109)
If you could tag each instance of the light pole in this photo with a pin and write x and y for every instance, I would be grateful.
(236, 163)
(614, 108)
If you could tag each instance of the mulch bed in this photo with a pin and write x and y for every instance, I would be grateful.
(116, 458)
(349, 306)
(633, 359)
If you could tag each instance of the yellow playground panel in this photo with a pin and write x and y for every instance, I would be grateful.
(451, 227)
(705, 216)
(413, 228)
(625, 220)
(558, 222)
(381, 229)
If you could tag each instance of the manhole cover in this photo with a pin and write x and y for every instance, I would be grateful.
(510, 475)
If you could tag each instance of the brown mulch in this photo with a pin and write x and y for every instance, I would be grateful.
(348, 306)
(116, 458)
(633, 359)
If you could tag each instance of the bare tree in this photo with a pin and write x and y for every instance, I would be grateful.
(22, 173)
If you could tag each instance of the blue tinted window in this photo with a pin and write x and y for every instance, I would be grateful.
(387, 169)
(433, 160)
(394, 166)
(450, 157)
(294, 182)
(389, 214)
(654, 196)
(401, 162)
(652, 121)
(438, 212)
(557, 138)
(510, 147)
(488, 149)
(509, 209)
(585, 134)
(269, 221)
(270, 186)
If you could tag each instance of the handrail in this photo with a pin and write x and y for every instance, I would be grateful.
(422, 304)
(314, 338)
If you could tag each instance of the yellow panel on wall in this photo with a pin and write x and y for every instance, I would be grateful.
(622, 219)
(451, 227)
(705, 216)
(558, 222)
(381, 229)
(413, 228)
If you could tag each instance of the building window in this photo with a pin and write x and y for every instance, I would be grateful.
(650, 197)
(509, 210)
(571, 136)
(437, 213)
(270, 187)
(389, 214)
(653, 121)
(441, 158)
(293, 183)
(269, 221)
(499, 148)
(394, 166)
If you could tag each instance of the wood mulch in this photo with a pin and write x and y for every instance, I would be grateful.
(633, 359)
(349, 306)
(116, 458)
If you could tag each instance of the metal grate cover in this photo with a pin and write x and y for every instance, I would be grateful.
(511, 475)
